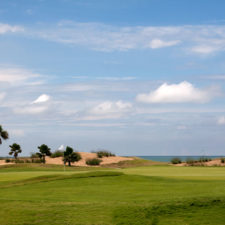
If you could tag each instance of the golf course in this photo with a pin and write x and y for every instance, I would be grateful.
(154, 194)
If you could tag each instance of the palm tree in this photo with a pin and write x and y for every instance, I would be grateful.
(71, 156)
(3, 134)
(43, 151)
(15, 150)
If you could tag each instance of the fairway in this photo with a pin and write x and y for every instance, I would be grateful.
(142, 195)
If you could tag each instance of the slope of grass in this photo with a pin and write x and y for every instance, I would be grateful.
(142, 195)
(137, 162)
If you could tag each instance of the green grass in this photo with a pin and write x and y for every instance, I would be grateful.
(161, 195)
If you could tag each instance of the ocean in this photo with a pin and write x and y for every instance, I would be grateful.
(183, 158)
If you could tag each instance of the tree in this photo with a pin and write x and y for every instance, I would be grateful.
(3, 134)
(44, 150)
(71, 156)
(15, 150)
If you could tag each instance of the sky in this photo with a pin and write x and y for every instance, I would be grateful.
(136, 77)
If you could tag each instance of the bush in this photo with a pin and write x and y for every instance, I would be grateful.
(190, 161)
(57, 153)
(104, 153)
(93, 162)
(19, 161)
(176, 160)
(204, 159)
(7, 160)
(36, 160)
(222, 160)
(27, 161)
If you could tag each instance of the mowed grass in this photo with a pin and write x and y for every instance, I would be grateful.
(143, 195)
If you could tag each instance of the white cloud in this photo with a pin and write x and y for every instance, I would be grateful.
(61, 148)
(111, 107)
(221, 120)
(16, 75)
(4, 28)
(107, 110)
(204, 49)
(198, 39)
(33, 110)
(175, 93)
(41, 99)
(39, 106)
(157, 43)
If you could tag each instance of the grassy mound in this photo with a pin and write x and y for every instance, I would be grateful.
(137, 162)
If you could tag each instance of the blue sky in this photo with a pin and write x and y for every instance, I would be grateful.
(134, 77)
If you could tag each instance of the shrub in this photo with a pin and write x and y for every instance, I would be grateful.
(190, 161)
(204, 159)
(27, 161)
(222, 160)
(57, 153)
(7, 160)
(104, 153)
(93, 162)
(176, 160)
(19, 161)
(34, 155)
(36, 160)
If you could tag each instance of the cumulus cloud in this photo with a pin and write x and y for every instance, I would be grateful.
(221, 120)
(175, 93)
(39, 106)
(41, 99)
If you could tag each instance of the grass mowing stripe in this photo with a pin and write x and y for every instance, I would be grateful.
(47, 178)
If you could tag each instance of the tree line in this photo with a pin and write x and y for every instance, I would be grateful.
(69, 155)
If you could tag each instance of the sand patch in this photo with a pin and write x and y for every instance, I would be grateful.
(2, 162)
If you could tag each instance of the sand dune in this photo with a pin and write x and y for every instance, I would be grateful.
(88, 155)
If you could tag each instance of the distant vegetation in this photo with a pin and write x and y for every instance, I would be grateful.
(57, 153)
(93, 162)
(176, 160)
(190, 161)
(201, 160)
(104, 153)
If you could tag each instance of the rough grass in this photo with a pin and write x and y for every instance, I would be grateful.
(137, 162)
(163, 195)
